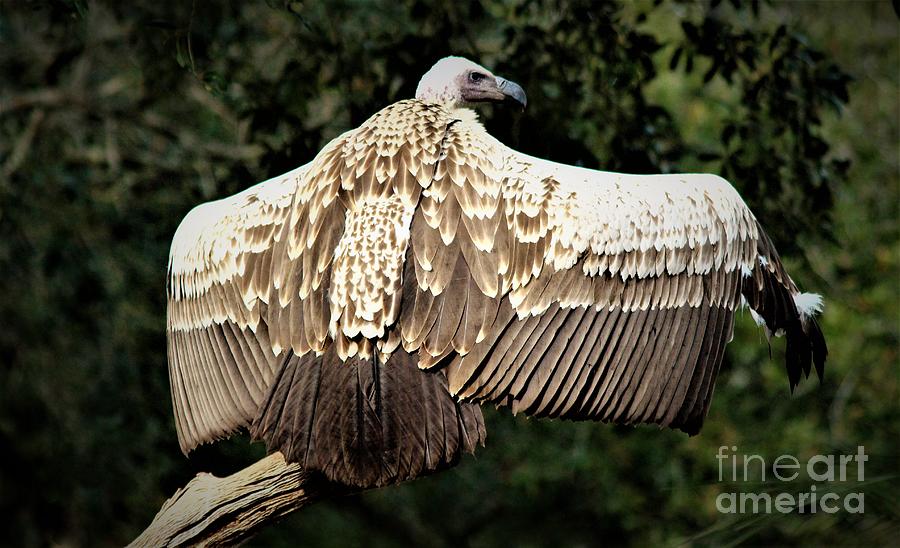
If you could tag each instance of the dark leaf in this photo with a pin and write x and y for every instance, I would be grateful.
(728, 133)
(676, 56)
(711, 72)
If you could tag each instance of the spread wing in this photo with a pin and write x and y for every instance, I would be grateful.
(220, 353)
(567, 292)
(291, 265)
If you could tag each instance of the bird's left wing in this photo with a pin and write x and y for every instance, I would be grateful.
(568, 292)
(219, 276)
(279, 296)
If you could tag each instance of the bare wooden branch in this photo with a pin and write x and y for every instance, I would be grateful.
(47, 97)
(211, 511)
(23, 143)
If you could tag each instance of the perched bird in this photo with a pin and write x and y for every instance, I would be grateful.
(354, 313)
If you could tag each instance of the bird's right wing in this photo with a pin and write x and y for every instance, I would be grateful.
(566, 292)
(279, 296)
(264, 283)
(221, 358)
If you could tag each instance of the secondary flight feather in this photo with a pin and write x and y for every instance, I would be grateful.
(354, 313)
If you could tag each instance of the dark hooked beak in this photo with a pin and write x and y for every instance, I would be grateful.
(512, 92)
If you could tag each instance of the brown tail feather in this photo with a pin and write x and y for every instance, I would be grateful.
(365, 423)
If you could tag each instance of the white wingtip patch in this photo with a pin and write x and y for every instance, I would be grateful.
(808, 304)
(756, 317)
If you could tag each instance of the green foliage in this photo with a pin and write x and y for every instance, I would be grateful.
(117, 118)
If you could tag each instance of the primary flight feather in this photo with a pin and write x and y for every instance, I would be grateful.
(354, 312)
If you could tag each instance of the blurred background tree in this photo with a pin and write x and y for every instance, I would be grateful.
(116, 118)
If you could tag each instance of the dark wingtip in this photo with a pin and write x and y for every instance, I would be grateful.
(794, 347)
(772, 295)
(819, 348)
(805, 350)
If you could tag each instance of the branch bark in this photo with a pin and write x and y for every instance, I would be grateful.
(212, 511)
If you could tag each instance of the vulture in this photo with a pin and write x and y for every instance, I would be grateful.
(354, 313)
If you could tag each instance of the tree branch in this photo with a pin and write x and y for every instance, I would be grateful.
(211, 511)
(23, 143)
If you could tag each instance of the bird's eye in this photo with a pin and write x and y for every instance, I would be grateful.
(476, 77)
